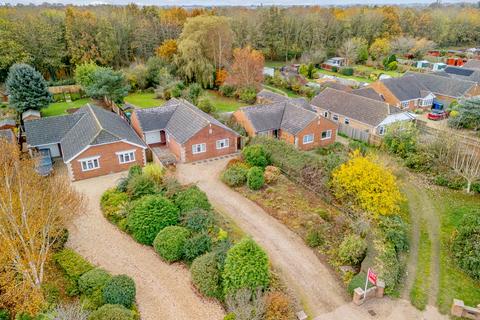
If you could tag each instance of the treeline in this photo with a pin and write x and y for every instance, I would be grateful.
(54, 39)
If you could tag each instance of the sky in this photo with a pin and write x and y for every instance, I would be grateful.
(230, 2)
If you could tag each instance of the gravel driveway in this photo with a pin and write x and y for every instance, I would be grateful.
(163, 291)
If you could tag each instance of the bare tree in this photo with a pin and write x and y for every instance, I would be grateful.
(465, 161)
(349, 50)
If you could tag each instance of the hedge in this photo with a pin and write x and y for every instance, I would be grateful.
(192, 198)
(74, 266)
(120, 290)
(92, 280)
(169, 243)
(255, 155)
(196, 246)
(140, 185)
(112, 202)
(465, 246)
(246, 267)
(149, 215)
(206, 275)
(112, 312)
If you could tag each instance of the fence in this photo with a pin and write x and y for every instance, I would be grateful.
(354, 133)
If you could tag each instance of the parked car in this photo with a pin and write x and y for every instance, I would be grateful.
(44, 165)
(437, 115)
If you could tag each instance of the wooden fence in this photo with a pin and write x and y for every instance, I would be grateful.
(353, 132)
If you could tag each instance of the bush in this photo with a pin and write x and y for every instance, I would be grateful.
(255, 179)
(112, 202)
(392, 66)
(61, 240)
(133, 171)
(315, 237)
(154, 172)
(271, 174)
(93, 301)
(193, 92)
(465, 246)
(401, 139)
(235, 175)
(192, 198)
(120, 290)
(112, 312)
(278, 307)
(352, 250)
(206, 105)
(93, 280)
(4, 314)
(395, 231)
(196, 246)
(206, 275)
(358, 281)
(139, 186)
(198, 220)
(346, 71)
(170, 242)
(247, 95)
(149, 215)
(227, 91)
(387, 265)
(246, 266)
(74, 266)
(230, 316)
(255, 155)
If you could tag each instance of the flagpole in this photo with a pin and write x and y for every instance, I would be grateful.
(366, 284)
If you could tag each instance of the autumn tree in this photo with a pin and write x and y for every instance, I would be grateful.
(367, 186)
(353, 50)
(379, 48)
(33, 215)
(247, 68)
(168, 49)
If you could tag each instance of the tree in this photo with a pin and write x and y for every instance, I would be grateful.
(13, 50)
(465, 161)
(247, 68)
(402, 45)
(27, 88)
(84, 73)
(168, 49)
(421, 47)
(468, 114)
(367, 186)
(80, 30)
(107, 83)
(204, 46)
(379, 48)
(315, 57)
(33, 215)
(349, 50)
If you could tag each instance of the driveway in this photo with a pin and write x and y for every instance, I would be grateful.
(313, 283)
(163, 291)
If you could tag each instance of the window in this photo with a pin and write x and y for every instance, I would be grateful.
(404, 104)
(347, 121)
(335, 117)
(381, 130)
(326, 134)
(126, 156)
(222, 144)
(90, 164)
(199, 148)
(308, 138)
(325, 114)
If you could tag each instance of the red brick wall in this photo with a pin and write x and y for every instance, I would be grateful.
(317, 127)
(389, 97)
(175, 147)
(136, 124)
(109, 162)
(210, 138)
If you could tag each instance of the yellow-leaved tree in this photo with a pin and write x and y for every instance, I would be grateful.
(367, 186)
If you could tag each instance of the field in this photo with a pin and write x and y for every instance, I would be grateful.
(60, 108)
(289, 93)
(144, 100)
(223, 104)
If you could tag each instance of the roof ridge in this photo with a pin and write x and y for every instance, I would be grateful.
(76, 123)
(201, 113)
(99, 125)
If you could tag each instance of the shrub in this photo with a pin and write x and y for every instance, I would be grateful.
(149, 215)
(465, 246)
(395, 231)
(112, 202)
(387, 265)
(358, 281)
(392, 66)
(206, 275)
(73, 265)
(235, 175)
(255, 179)
(255, 155)
(92, 280)
(192, 198)
(154, 172)
(401, 139)
(112, 312)
(198, 220)
(206, 105)
(120, 290)
(230, 316)
(93, 301)
(133, 171)
(247, 95)
(278, 307)
(170, 242)
(271, 174)
(346, 71)
(196, 246)
(246, 266)
(61, 240)
(139, 186)
(227, 91)
(4, 314)
(315, 237)
(352, 249)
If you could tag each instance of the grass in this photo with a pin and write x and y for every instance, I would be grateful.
(144, 100)
(339, 75)
(60, 108)
(454, 283)
(275, 64)
(221, 103)
(371, 69)
(289, 93)
(419, 291)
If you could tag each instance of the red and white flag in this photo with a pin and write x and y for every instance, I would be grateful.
(372, 277)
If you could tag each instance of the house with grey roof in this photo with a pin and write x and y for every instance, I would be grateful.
(461, 73)
(187, 132)
(8, 135)
(91, 142)
(358, 112)
(472, 64)
(288, 121)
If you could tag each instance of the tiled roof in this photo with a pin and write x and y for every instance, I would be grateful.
(406, 87)
(356, 107)
(88, 126)
(271, 96)
(179, 118)
(336, 85)
(461, 73)
(368, 93)
(441, 85)
(472, 64)
(8, 122)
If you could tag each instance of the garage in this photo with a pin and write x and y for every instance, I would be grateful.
(54, 149)
(153, 137)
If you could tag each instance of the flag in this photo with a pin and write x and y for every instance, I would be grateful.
(372, 277)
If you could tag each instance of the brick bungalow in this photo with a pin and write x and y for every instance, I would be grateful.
(287, 121)
(91, 142)
(461, 73)
(186, 131)
(357, 111)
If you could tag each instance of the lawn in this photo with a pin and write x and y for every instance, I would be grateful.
(419, 292)
(221, 103)
(289, 93)
(60, 108)
(454, 283)
(275, 64)
(371, 69)
(339, 75)
(144, 100)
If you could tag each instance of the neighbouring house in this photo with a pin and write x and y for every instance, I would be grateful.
(287, 121)
(336, 85)
(472, 64)
(368, 92)
(267, 96)
(268, 71)
(438, 66)
(7, 123)
(461, 73)
(187, 132)
(31, 115)
(91, 142)
(358, 112)
(334, 63)
(422, 64)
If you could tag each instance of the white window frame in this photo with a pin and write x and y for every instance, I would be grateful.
(203, 148)
(328, 134)
(346, 120)
(335, 117)
(131, 156)
(381, 130)
(307, 137)
(84, 163)
(405, 104)
(225, 142)
(325, 114)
